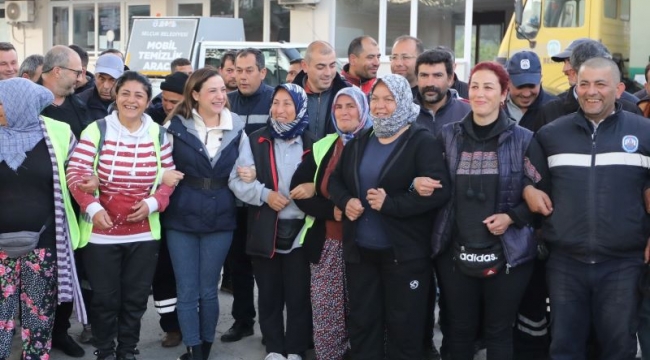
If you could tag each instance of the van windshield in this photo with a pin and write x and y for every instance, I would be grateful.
(564, 13)
(277, 61)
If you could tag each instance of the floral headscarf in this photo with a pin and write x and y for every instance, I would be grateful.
(297, 127)
(405, 112)
(22, 101)
(362, 104)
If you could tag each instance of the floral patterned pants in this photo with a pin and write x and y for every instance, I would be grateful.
(328, 302)
(28, 283)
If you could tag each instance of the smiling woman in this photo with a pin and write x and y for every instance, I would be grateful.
(128, 153)
(201, 216)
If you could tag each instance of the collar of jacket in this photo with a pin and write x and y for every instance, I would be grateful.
(448, 99)
(585, 123)
(254, 95)
(503, 127)
(354, 80)
(337, 84)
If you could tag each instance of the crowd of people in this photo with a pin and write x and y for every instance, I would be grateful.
(356, 203)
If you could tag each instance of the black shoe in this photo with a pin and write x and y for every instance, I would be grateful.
(69, 347)
(127, 356)
(205, 348)
(193, 353)
(237, 332)
(105, 355)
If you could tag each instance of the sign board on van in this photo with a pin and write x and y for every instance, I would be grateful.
(154, 43)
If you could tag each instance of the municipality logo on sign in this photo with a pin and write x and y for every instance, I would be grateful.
(525, 64)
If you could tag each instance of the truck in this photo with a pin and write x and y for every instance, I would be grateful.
(548, 26)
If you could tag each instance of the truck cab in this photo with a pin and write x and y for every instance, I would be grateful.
(548, 26)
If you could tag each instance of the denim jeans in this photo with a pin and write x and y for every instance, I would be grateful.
(603, 295)
(197, 260)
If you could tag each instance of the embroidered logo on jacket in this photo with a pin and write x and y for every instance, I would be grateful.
(630, 143)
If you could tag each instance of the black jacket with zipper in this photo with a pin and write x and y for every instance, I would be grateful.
(407, 217)
(321, 208)
(595, 179)
(263, 220)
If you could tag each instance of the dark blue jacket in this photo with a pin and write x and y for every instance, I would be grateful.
(529, 120)
(518, 243)
(202, 210)
(254, 109)
(595, 179)
(96, 108)
(453, 110)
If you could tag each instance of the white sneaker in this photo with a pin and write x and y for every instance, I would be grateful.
(275, 356)
(294, 357)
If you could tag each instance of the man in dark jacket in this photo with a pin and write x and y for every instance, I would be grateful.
(525, 98)
(574, 56)
(99, 98)
(363, 63)
(171, 94)
(525, 93)
(593, 167)
(321, 82)
(434, 70)
(87, 79)
(252, 102)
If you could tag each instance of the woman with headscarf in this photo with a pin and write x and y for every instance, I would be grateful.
(280, 265)
(387, 225)
(34, 198)
(482, 239)
(323, 228)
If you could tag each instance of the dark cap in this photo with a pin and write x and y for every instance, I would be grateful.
(174, 82)
(525, 68)
(569, 50)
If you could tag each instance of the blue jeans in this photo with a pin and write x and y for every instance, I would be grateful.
(603, 295)
(197, 260)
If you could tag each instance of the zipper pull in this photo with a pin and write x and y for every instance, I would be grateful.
(507, 268)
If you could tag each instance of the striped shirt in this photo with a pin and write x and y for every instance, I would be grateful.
(127, 170)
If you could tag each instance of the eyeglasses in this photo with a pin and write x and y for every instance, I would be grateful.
(77, 72)
(401, 57)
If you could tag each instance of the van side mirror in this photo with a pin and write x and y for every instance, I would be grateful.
(519, 12)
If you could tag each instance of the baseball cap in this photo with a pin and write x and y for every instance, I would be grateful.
(110, 64)
(569, 50)
(174, 82)
(524, 68)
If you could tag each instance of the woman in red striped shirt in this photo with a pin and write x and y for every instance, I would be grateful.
(128, 154)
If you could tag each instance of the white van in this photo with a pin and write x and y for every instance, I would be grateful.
(277, 56)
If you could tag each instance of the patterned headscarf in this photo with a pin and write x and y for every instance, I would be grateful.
(406, 111)
(22, 101)
(297, 127)
(362, 104)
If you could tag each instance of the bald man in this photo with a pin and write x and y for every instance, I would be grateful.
(321, 82)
